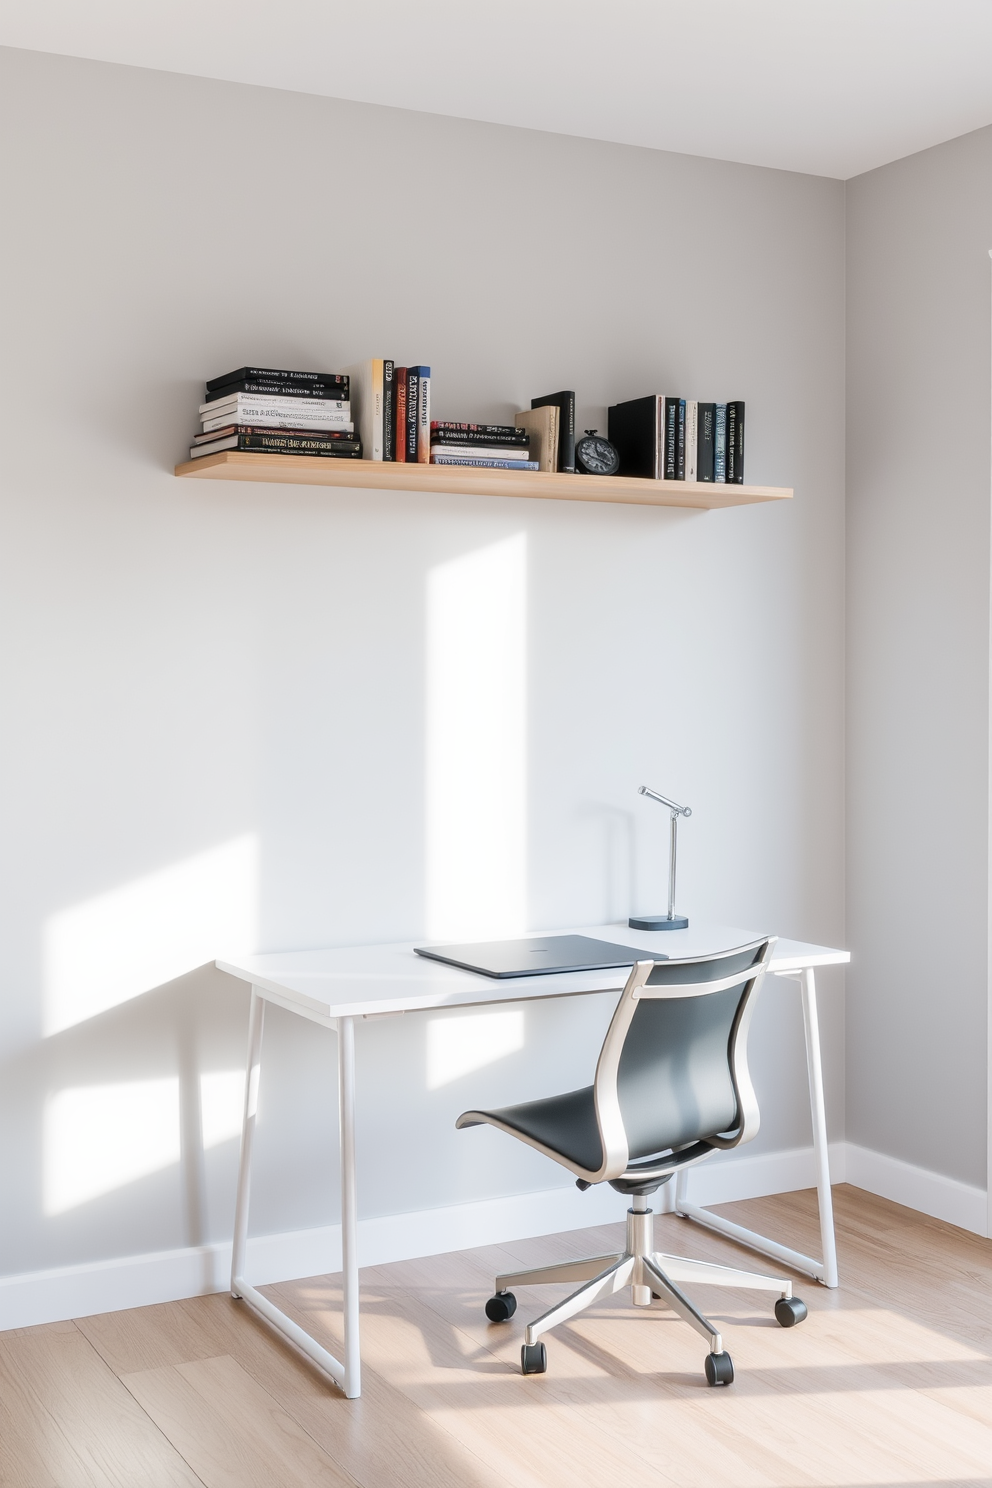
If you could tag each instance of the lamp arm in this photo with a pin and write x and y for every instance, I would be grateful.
(673, 806)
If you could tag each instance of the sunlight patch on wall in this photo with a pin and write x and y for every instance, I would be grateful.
(457, 1046)
(117, 945)
(222, 1100)
(99, 1137)
(476, 743)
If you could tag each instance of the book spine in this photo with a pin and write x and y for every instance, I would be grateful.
(334, 380)
(704, 444)
(482, 451)
(424, 417)
(261, 419)
(399, 417)
(388, 411)
(418, 415)
(691, 437)
(412, 394)
(454, 435)
(244, 428)
(298, 443)
(735, 443)
(680, 443)
(671, 452)
(374, 451)
(276, 444)
(443, 428)
(566, 434)
(279, 390)
(485, 464)
(720, 444)
(309, 407)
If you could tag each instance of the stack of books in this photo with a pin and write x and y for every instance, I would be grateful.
(679, 439)
(496, 446)
(275, 412)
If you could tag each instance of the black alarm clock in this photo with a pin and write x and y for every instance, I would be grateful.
(595, 455)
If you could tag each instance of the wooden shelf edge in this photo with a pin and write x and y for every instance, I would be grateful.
(466, 480)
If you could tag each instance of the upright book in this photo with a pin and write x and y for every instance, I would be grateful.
(706, 419)
(367, 405)
(565, 403)
(735, 443)
(388, 411)
(423, 455)
(633, 427)
(691, 438)
(399, 412)
(720, 444)
(541, 427)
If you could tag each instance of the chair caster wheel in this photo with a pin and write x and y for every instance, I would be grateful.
(500, 1309)
(789, 1311)
(533, 1359)
(719, 1369)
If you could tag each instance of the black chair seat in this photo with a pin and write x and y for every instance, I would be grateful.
(565, 1123)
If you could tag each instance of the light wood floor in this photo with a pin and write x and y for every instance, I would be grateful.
(888, 1382)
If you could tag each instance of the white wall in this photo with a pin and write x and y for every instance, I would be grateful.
(215, 694)
(918, 274)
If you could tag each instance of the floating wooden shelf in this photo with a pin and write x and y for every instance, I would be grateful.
(468, 480)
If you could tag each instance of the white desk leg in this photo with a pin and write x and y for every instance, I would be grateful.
(256, 1024)
(349, 1206)
(348, 1379)
(824, 1271)
(821, 1151)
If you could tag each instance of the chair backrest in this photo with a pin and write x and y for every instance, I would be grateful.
(673, 1067)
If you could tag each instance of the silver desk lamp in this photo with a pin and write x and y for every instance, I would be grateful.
(671, 921)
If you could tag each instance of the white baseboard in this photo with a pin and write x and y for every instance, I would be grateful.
(164, 1276)
(930, 1193)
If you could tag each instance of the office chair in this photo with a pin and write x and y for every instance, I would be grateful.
(671, 1087)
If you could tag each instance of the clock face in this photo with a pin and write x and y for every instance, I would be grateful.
(596, 456)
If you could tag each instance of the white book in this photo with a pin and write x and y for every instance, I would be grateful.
(691, 437)
(250, 401)
(366, 387)
(276, 419)
(484, 451)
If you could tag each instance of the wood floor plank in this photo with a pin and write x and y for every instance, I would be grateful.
(382, 1439)
(68, 1420)
(230, 1429)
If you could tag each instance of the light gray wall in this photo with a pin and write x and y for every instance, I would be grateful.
(191, 665)
(918, 235)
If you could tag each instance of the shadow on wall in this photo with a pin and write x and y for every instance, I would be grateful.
(148, 1088)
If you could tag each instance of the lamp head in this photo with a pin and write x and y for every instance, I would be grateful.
(674, 808)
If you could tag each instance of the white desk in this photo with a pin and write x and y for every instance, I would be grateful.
(333, 988)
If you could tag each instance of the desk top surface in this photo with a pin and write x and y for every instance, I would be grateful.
(369, 981)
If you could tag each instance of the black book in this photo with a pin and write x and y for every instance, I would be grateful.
(680, 443)
(388, 411)
(735, 444)
(565, 403)
(276, 442)
(337, 393)
(273, 374)
(326, 436)
(633, 428)
(412, 399)
(473, 434)
(670, 453)
(704, 442)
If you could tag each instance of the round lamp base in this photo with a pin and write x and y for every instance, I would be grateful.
(658, 922)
